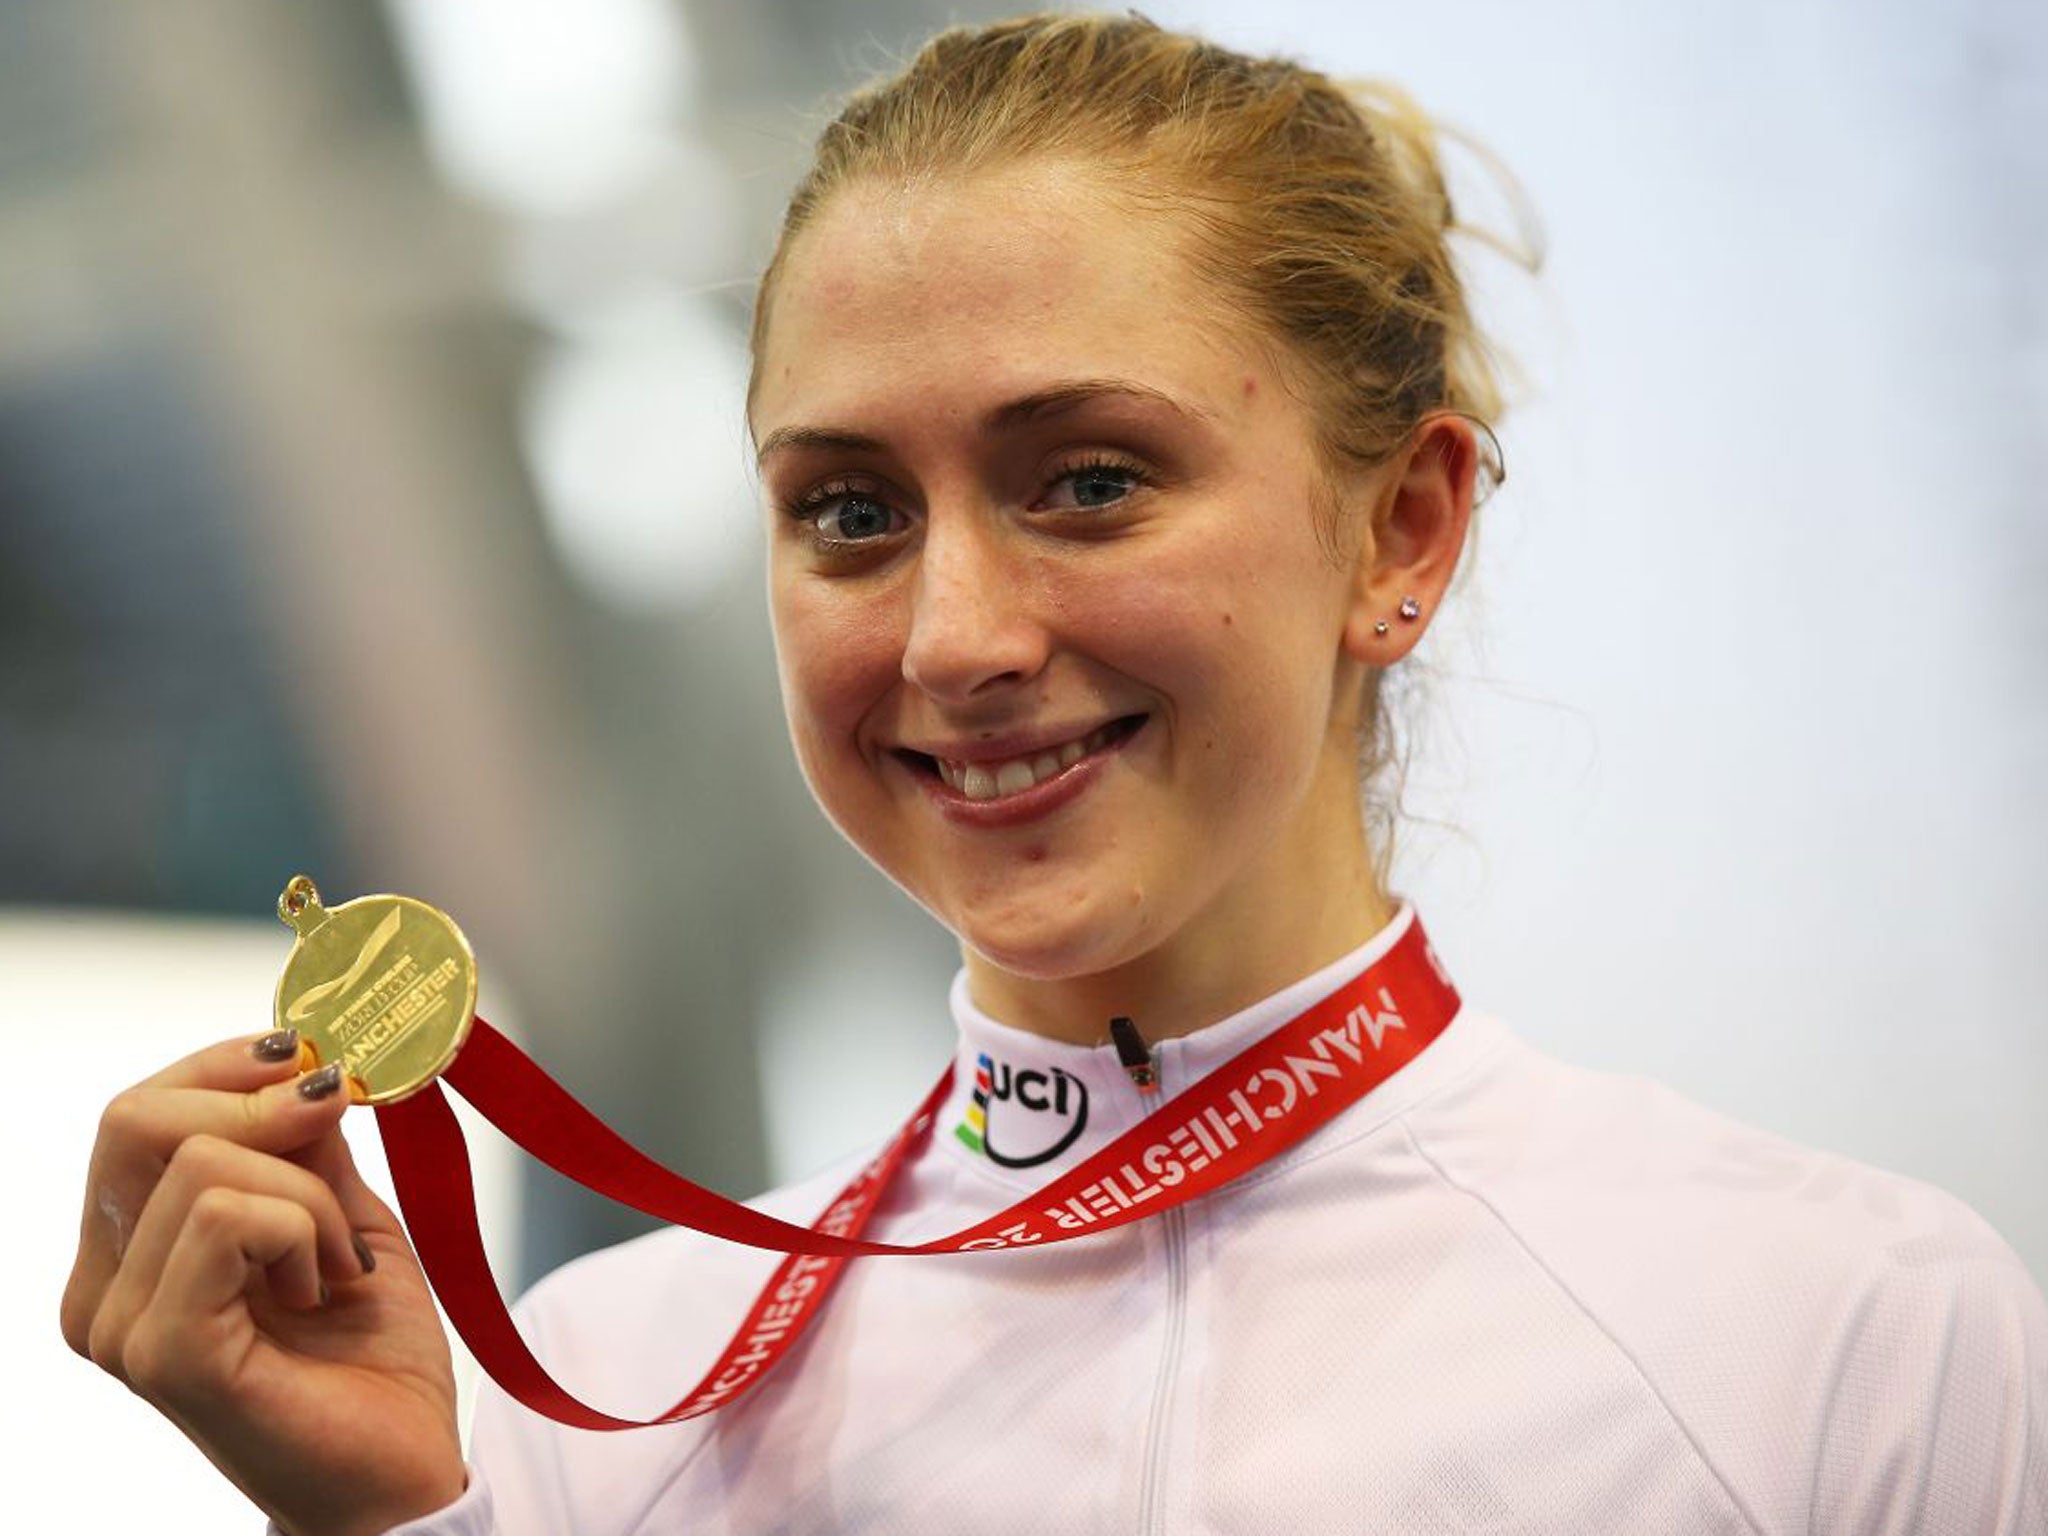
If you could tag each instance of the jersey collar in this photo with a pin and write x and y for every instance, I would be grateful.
(1026, 1109)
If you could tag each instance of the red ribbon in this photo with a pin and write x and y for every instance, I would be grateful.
(1263, 1100)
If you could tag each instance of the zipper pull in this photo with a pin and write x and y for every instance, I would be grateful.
(1134, 1053)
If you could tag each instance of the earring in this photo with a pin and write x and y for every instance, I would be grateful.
(1379, 627)
(1410, 609)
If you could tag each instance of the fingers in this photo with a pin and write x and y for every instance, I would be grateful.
(149, 1123)
(195, 1331)
(204, 1197)
(228, 1092)
(205, 1163)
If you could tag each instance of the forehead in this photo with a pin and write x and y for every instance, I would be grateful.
(984, 284)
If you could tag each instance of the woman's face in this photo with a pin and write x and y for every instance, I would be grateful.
(1061, 649)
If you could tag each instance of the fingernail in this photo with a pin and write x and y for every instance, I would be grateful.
(278, 1045)
(318, 1085)
(326, 1295)
(363, 1255)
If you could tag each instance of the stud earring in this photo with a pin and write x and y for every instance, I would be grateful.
(1410, 609)
(1380, 627)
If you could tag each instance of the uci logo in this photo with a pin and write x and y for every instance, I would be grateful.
(1046, 1114)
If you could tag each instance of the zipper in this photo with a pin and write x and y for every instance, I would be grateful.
(1152, 1487)
(1174, 1240)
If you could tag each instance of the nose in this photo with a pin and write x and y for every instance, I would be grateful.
(973, 629)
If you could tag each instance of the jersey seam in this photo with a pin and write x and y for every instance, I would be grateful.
(1301, 1156)
(528, 1323)
(1514, 1235)
(554, 1442)
(671, 1475)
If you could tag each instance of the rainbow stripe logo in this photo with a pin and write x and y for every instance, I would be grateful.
(973, 1127)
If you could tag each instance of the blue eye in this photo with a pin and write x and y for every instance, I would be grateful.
(839, 517)
(859, 517)
(1089, 487)
(1099, 486)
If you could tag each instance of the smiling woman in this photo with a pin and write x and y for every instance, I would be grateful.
(1121, 420)
(1035, 503)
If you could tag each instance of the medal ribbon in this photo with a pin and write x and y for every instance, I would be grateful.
(1263, 1100)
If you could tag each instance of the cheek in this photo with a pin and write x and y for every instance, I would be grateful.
(837, 658)
(1243, 650)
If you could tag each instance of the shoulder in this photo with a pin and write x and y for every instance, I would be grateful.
(1637, 1196)
(1829, 1333)
(1604, 1160)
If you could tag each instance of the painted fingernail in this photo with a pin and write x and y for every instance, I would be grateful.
(363, 1255)
(318, 1085)
(278, 1045)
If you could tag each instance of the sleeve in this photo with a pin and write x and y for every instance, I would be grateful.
(469, 1515)
(1938, 1407)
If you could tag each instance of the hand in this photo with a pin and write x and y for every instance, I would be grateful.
(235, 1271)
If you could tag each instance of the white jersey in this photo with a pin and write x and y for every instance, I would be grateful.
(1496, 1294)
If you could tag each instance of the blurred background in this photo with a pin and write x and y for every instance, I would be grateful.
(375, 501)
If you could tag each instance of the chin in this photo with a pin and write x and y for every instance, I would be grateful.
(1054, 945)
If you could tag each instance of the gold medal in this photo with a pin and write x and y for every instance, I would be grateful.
(385, 985)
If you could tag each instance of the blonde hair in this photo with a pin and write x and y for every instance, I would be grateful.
(1319, 213)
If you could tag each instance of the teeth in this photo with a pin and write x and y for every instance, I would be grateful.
(985, 781)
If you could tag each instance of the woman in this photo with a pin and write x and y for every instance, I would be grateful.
(1115, 402)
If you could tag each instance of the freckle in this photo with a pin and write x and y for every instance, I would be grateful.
(1228, 621)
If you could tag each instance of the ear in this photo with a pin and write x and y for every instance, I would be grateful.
(1420, 516)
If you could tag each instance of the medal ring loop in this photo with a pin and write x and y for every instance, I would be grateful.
(299, 893)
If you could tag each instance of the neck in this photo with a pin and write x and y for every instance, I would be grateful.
(1219, 964)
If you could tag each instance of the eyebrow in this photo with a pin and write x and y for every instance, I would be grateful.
(1034, 407)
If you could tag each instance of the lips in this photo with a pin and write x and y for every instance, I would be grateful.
(985, 779)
